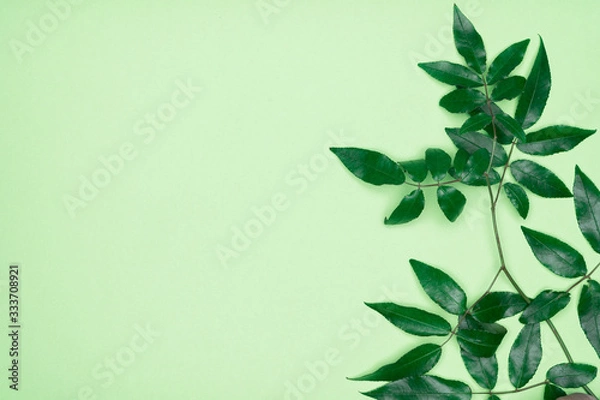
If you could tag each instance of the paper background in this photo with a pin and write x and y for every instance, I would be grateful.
(284, 318)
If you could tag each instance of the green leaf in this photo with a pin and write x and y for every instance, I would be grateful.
(484, 370)
(588, 310)
(525, 355)
(451, 201)
(538, 179)
(476, 166)
(473, 141)
(518, 198)
(537, 89)
(552, 392)
(460, 162)
(475, 123)
(412, 320)
(557, 256)
(463, 100)
(410, 208)
(571, 375)
(481, 342)
(370, 166)
(497, 305)
(554, 139)
(545, 305)
(416, 362)
(507, 61)
(438, 162)
(416, 170)
(493, 397)
(426, 387)
(468, 42)
(502, 133)
(509, 88)
(587, 208)
(452, 74)
(512, 126)
(442, 289)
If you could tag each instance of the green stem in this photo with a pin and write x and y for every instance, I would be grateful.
(515, 390)
(432, 184)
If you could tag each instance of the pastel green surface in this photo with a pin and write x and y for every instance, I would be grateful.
(201, 120)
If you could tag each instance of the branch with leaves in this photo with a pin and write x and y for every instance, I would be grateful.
(486, 143)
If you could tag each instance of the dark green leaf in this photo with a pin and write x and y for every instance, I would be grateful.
(422, 388)
(476, 167)
(452, 74)
(475, 123)
(462, 100)
(506, 61)
(497, 305)
(451, 201)
(525, 355)
(440, 288)
(518, 198)
(416, 362)
(588, 310)
(473, 141)
(416, 170)
(438, 162)
(412, 320)
(468, 42)
(587, 207)
(494, 178)
(481, 342)
(493, 397)
(552, 392)
(502, 133)
(555, 255)
(538, 179)
(512, 126)
(537, 89)
(509, 88)
(484, 370)
(571, 375)
(554, 139)
(370, 166)
(545, 305)
(460, 162)
(410, 208)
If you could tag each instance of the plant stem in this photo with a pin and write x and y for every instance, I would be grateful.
(515, 390)
(432, 184)
(587, 276)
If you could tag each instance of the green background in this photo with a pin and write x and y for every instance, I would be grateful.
(281, 317)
